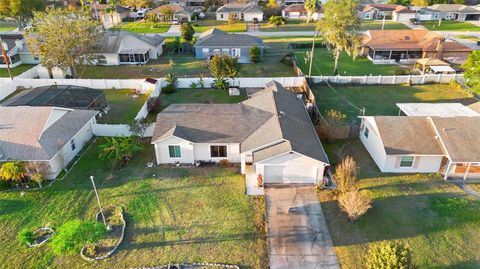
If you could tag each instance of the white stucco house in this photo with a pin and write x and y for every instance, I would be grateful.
(436, 142)
(50, 135)
(270, 134)
(119, 47)
(17, 51)
(248, 12)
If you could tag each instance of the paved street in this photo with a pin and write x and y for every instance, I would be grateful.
(298, 235)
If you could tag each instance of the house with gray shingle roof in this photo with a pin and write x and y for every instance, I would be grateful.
(120, 47)
(216, 42)
(50, 135)
(441, 141)
(270, 134)
(248, 12)
(457, 12)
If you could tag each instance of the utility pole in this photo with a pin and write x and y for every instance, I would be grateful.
(311, 55)
(98, 201)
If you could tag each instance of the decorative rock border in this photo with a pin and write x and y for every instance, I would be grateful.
(115, 248)
(44, 240)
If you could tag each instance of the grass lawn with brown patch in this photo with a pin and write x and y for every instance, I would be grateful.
(173, 215)
(16, 70)
(290, 26)
(207, 24)
(123, 106)
(438, 220)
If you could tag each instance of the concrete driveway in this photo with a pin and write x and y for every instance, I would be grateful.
(298, 235)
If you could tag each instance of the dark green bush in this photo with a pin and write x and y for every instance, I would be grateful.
(169, 89)
(393, 255)
(25, 236)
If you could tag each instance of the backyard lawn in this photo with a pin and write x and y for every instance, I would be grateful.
(468, 37)
(450, 26)
(439, 222)
(291, 25)
(204, 25)
(200, 96)
(15, 71)
(173, 215)
(377, 25)
(381, 99)
(323, 62)
(123, 104)
(143, 27)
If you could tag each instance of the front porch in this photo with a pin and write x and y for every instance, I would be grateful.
(462, 171)
(392, 56)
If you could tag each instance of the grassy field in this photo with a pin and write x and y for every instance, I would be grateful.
(450, 26)
(381, 99)
(323, 64)
(291, 25)
(143, 27)
(438, 221)
(377, 25)
(6, 26)
(468, 37)
(15, 71)
(123, 107)
(204, 25)
(200, 96)
(173, 215)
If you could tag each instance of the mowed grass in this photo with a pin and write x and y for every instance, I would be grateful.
(207, 24)
(123, 106)
(290, 26)
(200, 96)
(450, 26)
(377, 25)
(435, 218)
(468, 37)
(381, 99)
(15, 71)
(173, 215)
(143, 27)
(323, 63)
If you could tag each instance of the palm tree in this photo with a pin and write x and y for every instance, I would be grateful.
(119, 149)
(12, 171)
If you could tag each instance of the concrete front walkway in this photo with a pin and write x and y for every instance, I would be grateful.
(298, 235)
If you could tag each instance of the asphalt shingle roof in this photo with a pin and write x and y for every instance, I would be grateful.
(239, 7)
(113, 41)
(216, 37)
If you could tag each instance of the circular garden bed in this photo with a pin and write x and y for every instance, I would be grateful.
(105, 247)
(36, 238)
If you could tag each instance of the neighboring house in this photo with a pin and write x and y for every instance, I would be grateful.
(180, 13)
(119, 47)
(298, 11)
(243, 12)
(389, 12)
(424, 144)
(17, 51)
(270, 134)
(456, 12)
(109, 19)
(138, 14)
(216, 42)
(48, 135)
(406, 46)
(185, 3)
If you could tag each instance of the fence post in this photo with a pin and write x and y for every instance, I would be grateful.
(409, 78)
(393, 79)
(365, 79)
(423, 78)
(350, 79)
(379, 79)
(439, 78)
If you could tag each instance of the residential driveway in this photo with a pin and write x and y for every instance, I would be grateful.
(298, 235)
(174, 29)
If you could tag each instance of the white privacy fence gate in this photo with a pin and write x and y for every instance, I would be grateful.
(385, 80)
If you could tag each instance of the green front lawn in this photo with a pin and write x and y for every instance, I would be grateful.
(142, 27)
(450, 26)
(377, 25)
(123, 104)
(290, 26)
(468, 37)
(323, 63)
(438, 221)
(207, 24)
(381, 99)
(15, 71)
(173, 215)
(200, 96)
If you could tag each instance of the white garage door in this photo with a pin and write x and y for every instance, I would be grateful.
(289, 174)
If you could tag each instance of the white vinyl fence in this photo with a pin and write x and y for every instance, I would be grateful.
(119, 130)
(414, 79)
(143, 112)
(241, 82)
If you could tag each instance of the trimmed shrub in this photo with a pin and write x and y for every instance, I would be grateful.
(169, 89)
(255, 54)
(393, 255)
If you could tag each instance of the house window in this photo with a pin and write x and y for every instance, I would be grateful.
(174, 151)
(235, 52)
(102, 59)
(368, 15)
(407, 161)
(72, 144)
(366, 132)
(36, 58)
(221, 16)
(218, 151)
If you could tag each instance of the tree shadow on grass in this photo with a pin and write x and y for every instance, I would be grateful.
(11, 206)
(464, 265)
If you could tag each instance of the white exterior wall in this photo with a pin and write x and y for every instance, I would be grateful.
(403, 16)
(202, 153)
(112, 58)
(27, 58)
(421, 164)
(219, 16)
(162, 153)
(373, 143)
(294, 160)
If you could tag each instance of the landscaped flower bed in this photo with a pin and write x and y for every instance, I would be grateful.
(37, 237)
(113, 238)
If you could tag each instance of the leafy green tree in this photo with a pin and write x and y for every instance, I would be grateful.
(187, 31)
(271, 8)
(311, 6)
(171, 80)
(472, 70)
(136, 3)
(12, 171)
(277, 20)
(419, 3)
(393, 255)
(231, 66)
(167, 12)
(63, 38)
(20, 10)
(340, 27)
(72, 235)
(119, 149)
(255, 54)
(216, 66)
(220, 83)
